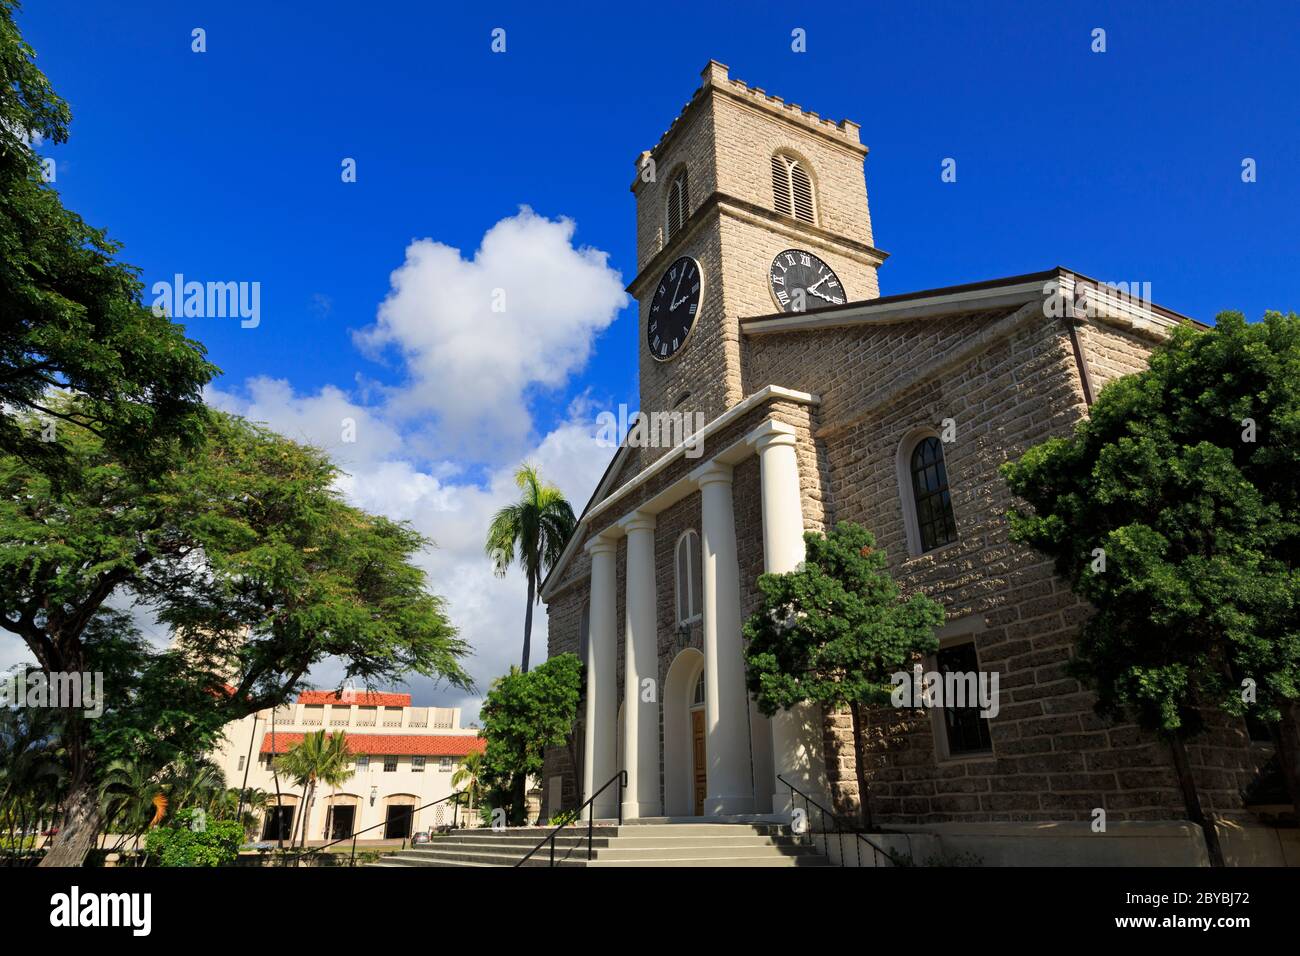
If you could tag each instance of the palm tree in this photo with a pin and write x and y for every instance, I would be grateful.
(33, 767)
(317, 759)
(536, 528)
(469, 773)
(127, 796)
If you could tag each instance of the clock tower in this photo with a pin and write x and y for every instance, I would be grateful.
(747, 206)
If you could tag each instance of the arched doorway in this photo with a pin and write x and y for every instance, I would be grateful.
(399, 815)
(342, 811)
(684, 736)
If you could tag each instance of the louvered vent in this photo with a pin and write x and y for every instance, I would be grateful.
(801, 187)
(792, 192)
(780, 185)
(678, 205)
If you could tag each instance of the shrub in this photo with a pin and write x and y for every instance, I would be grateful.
(195, 842)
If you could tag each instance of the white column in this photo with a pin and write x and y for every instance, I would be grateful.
(726, 713)
(796, 733)
(600, 743)
(640, 662)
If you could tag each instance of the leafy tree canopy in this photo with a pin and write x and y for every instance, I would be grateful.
(524, 714)
(244, 548)
(1175, 509)
(835, 630)
(71, 315)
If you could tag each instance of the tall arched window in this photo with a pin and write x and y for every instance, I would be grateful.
(697, 698)
(935, 525)
(690, 605)
(679, 205)
(792, 190)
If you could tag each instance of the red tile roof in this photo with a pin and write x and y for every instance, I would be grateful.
(404, 745)
(364, 698)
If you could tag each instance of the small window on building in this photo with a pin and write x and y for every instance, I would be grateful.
(363, 762)
(697, 699)
(390, 764)
(935, 525)
(689, 578)
(446, 763)
(241, 764)
(417, 765)
(967, 731)
(678, 206)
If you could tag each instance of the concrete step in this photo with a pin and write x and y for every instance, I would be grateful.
(454, 857)
(658, 843)
(781, 861)
(703, 851)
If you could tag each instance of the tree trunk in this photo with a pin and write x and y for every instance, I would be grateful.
(299, 817)
(859, 764)
(528, 621)
(78, 826)
(1287, 736)
(1193, 802)
(306, 817)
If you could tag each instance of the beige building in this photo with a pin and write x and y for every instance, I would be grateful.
(822, 402)
(403, 756)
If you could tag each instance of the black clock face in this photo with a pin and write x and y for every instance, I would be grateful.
(802, 283)
(674, 308)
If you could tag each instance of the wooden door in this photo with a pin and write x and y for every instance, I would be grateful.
(697, 748)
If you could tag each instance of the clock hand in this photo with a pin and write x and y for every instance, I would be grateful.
(812, 288)
(676, 290)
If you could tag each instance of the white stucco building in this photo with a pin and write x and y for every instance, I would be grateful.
(403, 756)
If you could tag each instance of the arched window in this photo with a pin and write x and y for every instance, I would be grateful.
(584, 631)
(679, 205)
(792, 190)
(697, 698)
(689, 578)
(935, 525)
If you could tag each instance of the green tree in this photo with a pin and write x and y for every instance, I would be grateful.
(317, 759)
(246, 550)
(834, 632)
(523, 715)
(71, 315)
(1175, 510)
(536, 528)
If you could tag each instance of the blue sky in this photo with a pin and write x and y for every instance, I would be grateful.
(225, 165)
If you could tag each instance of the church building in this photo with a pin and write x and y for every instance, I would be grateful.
(822, 401)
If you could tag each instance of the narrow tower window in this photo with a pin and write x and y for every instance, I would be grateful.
(792, 190)
(678, 205)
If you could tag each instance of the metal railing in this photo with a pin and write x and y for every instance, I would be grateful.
(621, 779)
(315, 851)
(841, 830)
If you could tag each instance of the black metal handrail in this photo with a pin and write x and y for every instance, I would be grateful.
(841, 829)
(621, 779)
(315, 851)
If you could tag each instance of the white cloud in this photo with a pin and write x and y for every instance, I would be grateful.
(477, 335)
(353, 435)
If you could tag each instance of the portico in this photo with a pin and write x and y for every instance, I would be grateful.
(743, 751)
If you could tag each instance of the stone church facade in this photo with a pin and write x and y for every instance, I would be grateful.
(893, 412)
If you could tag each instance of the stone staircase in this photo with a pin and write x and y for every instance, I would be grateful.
(643, 843)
